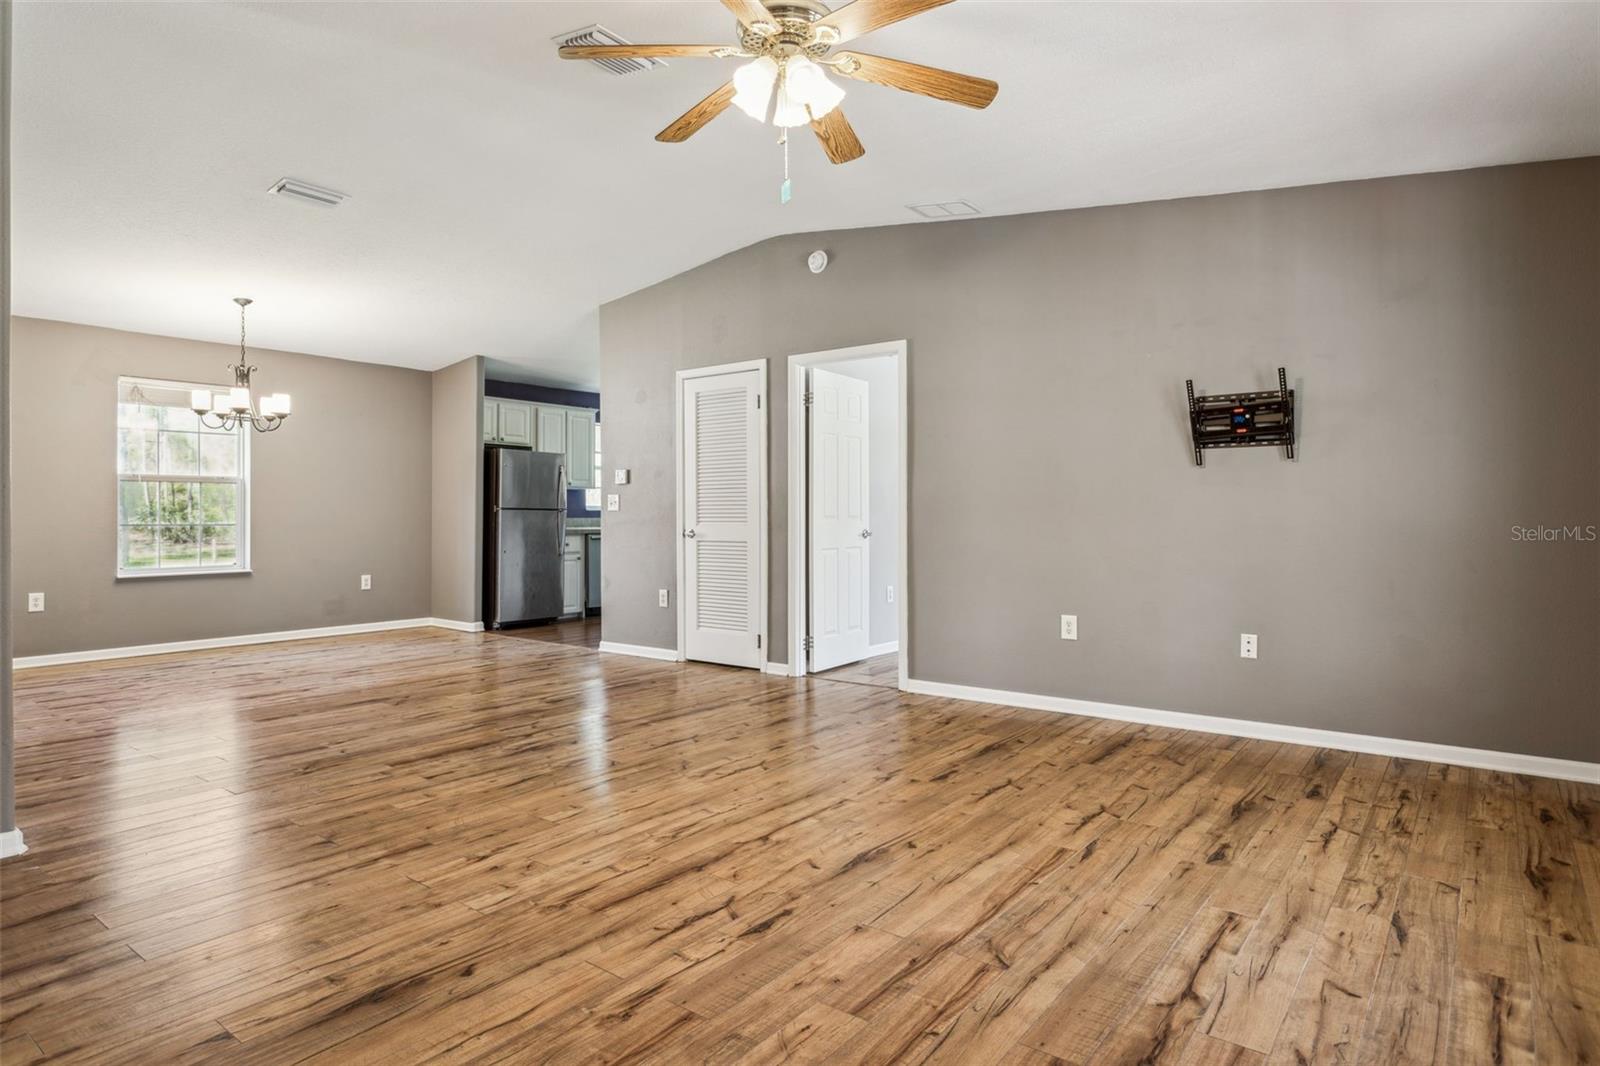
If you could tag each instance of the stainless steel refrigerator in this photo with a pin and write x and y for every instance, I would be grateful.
(525, 533)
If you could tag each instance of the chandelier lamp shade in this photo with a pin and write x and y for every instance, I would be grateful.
(237, 407)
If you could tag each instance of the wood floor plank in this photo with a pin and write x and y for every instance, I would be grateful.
(425, 846)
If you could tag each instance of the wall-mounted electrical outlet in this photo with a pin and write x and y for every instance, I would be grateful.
(1247, 645)
(620, 477)
(613, 502)
(366, 582)
(661, 598)
(35, 602)
(889, 596)
(1069, 627)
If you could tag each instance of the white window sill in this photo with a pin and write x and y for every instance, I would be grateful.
(140, 575)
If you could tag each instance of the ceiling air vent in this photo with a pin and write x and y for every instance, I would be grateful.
(947, 209)
(306, 192)
(592, 35)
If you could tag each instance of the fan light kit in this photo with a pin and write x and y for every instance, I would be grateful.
(226, 410)
(789, 45)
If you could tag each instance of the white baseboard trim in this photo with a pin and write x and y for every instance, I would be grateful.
(883, 649)
(640, 651)
(451, 623)
(778, 669)
(11, 844)
(1507, 761)
(138, 650)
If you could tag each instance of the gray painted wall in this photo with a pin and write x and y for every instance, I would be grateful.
(883, 486)
(1427, 321)
(336, 493)
(457, 465)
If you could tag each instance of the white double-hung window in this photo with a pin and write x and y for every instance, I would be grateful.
(183, 488)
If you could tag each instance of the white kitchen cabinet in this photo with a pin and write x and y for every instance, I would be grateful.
(516, 423)
(507, 422)
(580, 448)
(572, 575)
(552, 430)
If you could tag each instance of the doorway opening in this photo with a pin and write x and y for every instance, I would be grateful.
(848, 492)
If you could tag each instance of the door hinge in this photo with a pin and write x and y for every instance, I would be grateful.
(810, 644)
(806, 399)
(758, 640)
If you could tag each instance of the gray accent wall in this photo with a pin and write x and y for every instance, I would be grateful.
(341, 490)
(1443, 333)
(456, 592)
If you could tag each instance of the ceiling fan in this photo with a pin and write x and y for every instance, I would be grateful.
(788, 44)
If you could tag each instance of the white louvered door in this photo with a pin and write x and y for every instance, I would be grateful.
(721, 512)
(840, 533)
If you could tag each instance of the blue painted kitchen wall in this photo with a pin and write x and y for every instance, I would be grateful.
(516, 390)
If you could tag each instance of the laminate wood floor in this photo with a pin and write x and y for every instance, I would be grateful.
(425, 846)
(880, 670)
(574, 632)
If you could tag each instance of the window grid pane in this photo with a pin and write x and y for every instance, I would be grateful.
(179, 486)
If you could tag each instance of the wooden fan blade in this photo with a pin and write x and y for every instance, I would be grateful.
(750, 12)
(689, 123)
(916, 78)
(838, 137)
(863, 16)
(641, 51)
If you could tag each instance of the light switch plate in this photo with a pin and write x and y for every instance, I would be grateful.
(1247, 645)
(662, 598)
(366, 582)
(620, 477)
(35, 602)
(613, 502)
(890, 594)
(1069, 627)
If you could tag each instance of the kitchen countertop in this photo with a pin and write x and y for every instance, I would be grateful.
(583, 525)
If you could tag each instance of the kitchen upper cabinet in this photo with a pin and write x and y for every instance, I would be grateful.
(552, 431)
(567, 431)
(507, 422)
(516, 423)
(580, 448)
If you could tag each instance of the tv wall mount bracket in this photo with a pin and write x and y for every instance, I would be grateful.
(1242, 419)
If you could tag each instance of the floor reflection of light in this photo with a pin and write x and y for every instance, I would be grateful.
(158, 748)
(594, 737)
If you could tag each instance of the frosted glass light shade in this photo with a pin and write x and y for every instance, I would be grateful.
(805, 88)
(752, 87)
(239, 399)
(276, 404)
(200, 401)
(219, 403)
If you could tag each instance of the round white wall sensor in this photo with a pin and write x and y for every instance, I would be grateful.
(817, 261)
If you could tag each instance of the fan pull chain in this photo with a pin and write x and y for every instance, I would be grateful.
(784, 190)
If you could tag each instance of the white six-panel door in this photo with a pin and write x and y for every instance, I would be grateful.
(840, 533)
(721, 513)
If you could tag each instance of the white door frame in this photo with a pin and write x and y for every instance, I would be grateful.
(759, 365)
(798, 528)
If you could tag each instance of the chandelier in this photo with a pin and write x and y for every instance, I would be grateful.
(228, 410)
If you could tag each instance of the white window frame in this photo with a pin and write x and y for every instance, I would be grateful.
(593, 498)
(241, 563)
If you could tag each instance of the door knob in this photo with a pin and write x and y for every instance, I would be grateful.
(865, 533)
(689, 533)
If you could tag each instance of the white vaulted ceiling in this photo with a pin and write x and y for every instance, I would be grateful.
(499, 195)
